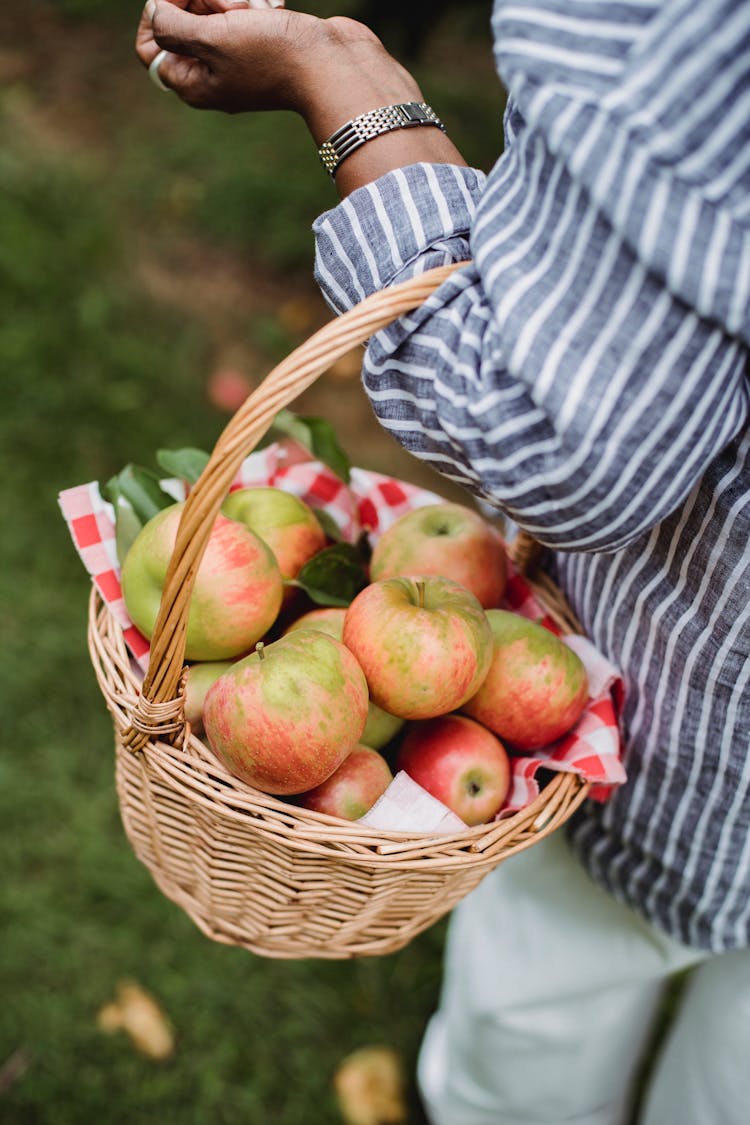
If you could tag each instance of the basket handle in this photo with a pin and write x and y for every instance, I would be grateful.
(158, 710)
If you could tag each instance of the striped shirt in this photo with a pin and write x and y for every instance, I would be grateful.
(587, 374)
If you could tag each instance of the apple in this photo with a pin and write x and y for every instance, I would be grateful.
(353, 788)
(227, 389)
(283, 521)
(460, 763)
(328, 619)
(445, 539)
(380, 727)
(536, 687)
(198, 679)
(285, 717)
(238, 588)
(424, 644)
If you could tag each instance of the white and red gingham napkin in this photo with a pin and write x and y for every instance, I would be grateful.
(372, 501)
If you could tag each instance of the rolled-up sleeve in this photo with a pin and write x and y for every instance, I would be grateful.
(590, 361)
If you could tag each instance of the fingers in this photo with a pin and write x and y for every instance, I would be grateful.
(147, 44)
(181, 32)
(189, 79)
(154, 70)
(233, 61)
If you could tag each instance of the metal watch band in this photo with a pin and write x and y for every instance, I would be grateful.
(354, 133)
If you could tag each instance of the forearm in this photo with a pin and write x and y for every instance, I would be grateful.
(327, 70)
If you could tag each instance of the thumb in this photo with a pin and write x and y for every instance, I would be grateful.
(181, 32)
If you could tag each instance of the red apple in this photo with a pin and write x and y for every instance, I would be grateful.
(460, 763)
(284, 718)
(536, 687)
(283, 521)
(380, 727)
(237, 593)
(227, 389)
(445, 539)
(352, 789)
(424, 644)
(198, 679)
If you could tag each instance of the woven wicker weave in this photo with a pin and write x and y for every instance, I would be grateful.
(250, 869)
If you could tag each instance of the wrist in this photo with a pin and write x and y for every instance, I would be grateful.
(347, 140)
(353, 74)
(348, 74)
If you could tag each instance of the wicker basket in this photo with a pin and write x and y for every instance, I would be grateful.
(250, 869)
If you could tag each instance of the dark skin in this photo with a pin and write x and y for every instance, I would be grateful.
(238, 59)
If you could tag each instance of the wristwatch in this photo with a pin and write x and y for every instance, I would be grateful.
(349, 137)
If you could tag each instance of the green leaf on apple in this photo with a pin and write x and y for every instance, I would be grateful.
(334, 576)
(329, 525)
(127, 526)
(137, 496)
(187, 463)
(317, 435)
(325, 446)
(141, 488)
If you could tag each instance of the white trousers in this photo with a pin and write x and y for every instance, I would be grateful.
(550, 993)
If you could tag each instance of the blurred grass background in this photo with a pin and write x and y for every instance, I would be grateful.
(144, 246)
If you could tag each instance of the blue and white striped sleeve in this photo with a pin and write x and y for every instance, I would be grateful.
(590, 362)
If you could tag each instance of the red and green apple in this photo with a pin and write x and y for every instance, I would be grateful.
(445, 539)
(237, 593)
(285, 717)
(353, 788)
(536, 688)
(424, 644)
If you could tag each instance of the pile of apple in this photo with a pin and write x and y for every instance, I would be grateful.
(322, 705)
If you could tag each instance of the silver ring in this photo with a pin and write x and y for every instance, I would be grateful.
(153, 71)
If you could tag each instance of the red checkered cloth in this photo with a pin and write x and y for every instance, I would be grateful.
(373, 502)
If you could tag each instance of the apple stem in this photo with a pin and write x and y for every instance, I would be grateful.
(259, 648)
(420, 592)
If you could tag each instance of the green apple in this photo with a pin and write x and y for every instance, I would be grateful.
(198, 679)
(381, 727)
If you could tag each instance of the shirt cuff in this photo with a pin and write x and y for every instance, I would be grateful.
(403, 223)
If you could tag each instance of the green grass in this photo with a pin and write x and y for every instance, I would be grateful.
(90, 372)
(96, 370)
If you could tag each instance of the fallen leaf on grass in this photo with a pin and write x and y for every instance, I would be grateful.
(369, 1085)
(135, 1012)
(14, 1069)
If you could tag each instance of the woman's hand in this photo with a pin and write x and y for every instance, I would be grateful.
(235, 58)
(329, 71)
(147, 47)
(228, 55)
